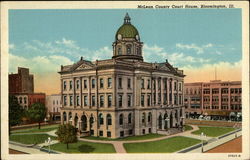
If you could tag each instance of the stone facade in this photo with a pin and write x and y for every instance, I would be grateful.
(53, 104)
(122, 96)
(215, 98)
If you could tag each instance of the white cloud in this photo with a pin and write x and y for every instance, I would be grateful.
(38, 64)
(158, 54)
(198, 49)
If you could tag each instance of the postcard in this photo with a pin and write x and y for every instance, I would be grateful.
(125, 80)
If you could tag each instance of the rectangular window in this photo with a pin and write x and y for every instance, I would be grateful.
(165, 83)
(159, 84)
(129, 100)
(70, 85)
(101, 133)
(175, 86)
(130, 132)
(64, 100)
(85, 100)
(70, 100)
(77, 84)
(129, 83)
(142, 100)
(120, 100)
(165, 98)
(77, 101)
(93, 83)
(142, 83)
(64, 85)
(175, 98)
(109, 82)
(93, 100)
(121, 133)
(159, 98)
(109, 100)
(149, 84)
(180, 87)
(148, 100)
(101, 101)
(108, 134)
(180, 99)
(85, 84)
(119, 82)
(101, 83)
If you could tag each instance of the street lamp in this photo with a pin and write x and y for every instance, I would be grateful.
(48, 142)
(45, 120)
(202, 135)
(182, 126)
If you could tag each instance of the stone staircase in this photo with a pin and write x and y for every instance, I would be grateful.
(170, 131)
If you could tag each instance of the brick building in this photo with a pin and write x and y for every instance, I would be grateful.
(27, 99)
(215, 99)
(21, 82)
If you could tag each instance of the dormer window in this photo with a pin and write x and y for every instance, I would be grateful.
(119, 51)
(128, 49)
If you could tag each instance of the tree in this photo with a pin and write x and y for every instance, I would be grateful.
(37, 113)
(16, 112)
(67, 134)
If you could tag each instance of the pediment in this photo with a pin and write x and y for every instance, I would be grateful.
(84, 66)
(164, 67)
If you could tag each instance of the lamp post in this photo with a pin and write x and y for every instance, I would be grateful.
(202, 141)
(45, 120)
(182, 126)
(48, 141)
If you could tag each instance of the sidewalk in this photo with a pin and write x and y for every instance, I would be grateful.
(28, 150)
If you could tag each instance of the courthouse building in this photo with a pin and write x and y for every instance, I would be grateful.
(216, 99)
(122, 96)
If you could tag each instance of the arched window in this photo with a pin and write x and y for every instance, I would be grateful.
(128, 49)
(100, 119)
(121, 119)
(119, 51)
(129, 118)
(149, 116)
(143, 118)
(109, 119)
(20, 100)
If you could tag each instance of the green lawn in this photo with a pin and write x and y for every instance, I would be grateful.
(30, 138)
(35, 129)
(169, 145)
(131, 138)
(84, 147)
(187, 127)
(213, 131)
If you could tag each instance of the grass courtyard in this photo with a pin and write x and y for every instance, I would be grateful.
(31, 138)
(169, 145)
(213, 131)
(35, 129)
(84, 147)
(187, 127)
(131, 138)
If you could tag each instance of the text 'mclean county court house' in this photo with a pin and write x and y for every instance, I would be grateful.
(122, 96)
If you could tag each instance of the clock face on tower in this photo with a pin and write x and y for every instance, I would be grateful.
(119, 37)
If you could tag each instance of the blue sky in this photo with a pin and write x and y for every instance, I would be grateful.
(188, 38)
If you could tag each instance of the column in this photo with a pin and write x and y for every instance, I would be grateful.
(80, 94)
(114, 91)
(167, 90)
(156, 91)
(89, 91)
(154, 121)
(162, 91)
(74, 93)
